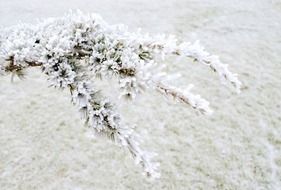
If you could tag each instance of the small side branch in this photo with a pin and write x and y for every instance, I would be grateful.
(13, 67)
(195, 101)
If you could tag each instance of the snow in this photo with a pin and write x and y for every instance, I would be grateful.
(45, 146)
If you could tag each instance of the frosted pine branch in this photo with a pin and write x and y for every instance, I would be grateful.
(198, 53)
(75, 50)
(195, 101)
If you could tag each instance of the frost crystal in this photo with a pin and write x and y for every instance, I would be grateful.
(76, 48)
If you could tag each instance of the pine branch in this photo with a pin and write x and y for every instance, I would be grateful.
(76, 48)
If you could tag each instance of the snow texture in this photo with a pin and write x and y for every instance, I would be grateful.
(238, 147)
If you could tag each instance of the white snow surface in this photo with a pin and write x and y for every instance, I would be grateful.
(43, 144)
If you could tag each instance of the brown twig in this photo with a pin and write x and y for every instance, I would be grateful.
(12, 67)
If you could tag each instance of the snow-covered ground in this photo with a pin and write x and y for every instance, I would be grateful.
(43, 144)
